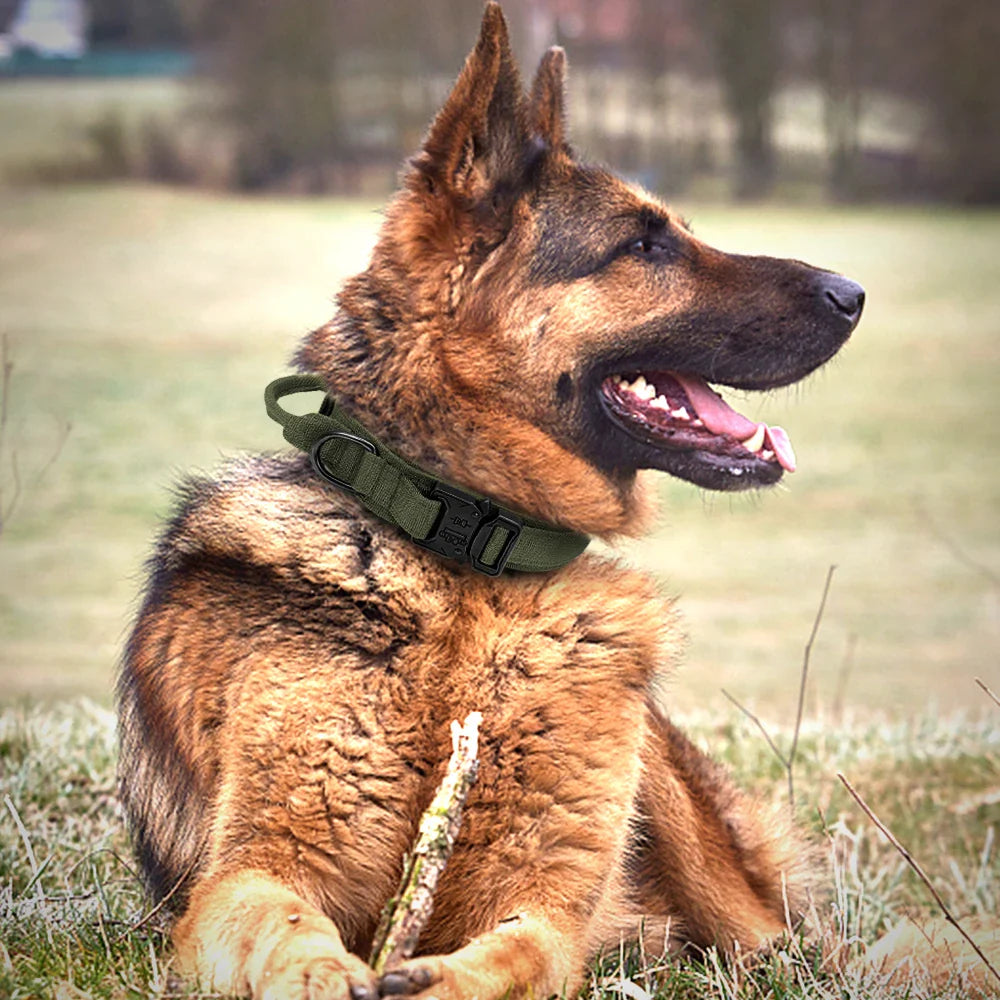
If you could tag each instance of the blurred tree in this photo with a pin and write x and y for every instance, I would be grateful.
(649, 33)
(841, 48)
(276, 65)
(960, 81)
(744, 39)
(315, 91)
(136, 23)
(941, 56)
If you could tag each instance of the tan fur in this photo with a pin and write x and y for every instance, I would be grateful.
(321, 758)
(288, 688)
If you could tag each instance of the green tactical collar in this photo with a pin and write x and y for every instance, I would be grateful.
(437, 515)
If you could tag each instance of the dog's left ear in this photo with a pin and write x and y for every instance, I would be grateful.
(548, 100)
(476, 143)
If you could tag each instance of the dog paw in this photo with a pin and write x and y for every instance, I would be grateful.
(318, 977)
(414, 977)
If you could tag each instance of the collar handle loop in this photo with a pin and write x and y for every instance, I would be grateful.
(437, 515)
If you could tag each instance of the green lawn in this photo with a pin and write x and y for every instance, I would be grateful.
(151, 319)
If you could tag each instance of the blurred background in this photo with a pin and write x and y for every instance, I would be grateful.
(183, 184)
(882, 99)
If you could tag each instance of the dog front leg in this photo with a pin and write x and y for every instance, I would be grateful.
(248, 934)
(527, 955)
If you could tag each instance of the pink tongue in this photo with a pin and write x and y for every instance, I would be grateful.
(715, 413)
(777, 439)
(720, 418)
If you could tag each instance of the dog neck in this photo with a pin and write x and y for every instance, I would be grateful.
(391, 374)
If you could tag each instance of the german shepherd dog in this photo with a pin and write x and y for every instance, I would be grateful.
(538, 330)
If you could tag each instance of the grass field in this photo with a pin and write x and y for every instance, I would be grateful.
(74, 924)
(151, 320)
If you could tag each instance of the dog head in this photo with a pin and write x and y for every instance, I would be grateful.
(558, 327)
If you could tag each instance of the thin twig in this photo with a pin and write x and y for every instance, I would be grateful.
(159, 906)
(802, 685)
(405, 916)
(6, 368)
(956, 550)
(7, 505)
(989, 693)
(64, 432)
(912, 862)
(788, 763)
(760, 725)
(9, 509)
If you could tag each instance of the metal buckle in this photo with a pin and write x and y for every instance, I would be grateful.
(465, 526)
(317, 461)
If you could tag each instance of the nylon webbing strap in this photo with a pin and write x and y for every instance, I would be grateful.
(447, 519)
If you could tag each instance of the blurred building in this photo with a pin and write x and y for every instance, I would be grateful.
(52, 29)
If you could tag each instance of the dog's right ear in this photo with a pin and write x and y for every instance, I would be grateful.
(477, 140)
(548, 100)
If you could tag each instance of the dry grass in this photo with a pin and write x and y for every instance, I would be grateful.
(70, 901)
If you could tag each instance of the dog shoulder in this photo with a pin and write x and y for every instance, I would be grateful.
(266, 512)
(605, 613)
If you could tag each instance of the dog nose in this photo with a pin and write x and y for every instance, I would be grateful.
(845, 297)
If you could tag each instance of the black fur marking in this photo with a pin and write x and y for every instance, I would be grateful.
(564, 387)
(580, 234)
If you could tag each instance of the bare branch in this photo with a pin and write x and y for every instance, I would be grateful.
(64, 432)
(406, 915)
(802, 685)
(989, 693)
(956, 550)
(760, 725)
(7, 366)
(149, 914)
(15, 469)
(7, 505)
(911, 861)
(788, 763)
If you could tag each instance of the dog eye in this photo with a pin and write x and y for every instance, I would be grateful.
(649, 247)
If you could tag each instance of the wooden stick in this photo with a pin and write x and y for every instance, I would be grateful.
(911, 861)
(989, 693)
(407, 913)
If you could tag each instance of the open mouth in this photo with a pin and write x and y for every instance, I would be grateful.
(696, 434)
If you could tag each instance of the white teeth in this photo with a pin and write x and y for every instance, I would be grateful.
(623, 384)
(697, 422)
(660, 403)
(756, 440)
(680, 414)
(641, 388)
(767, 455)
